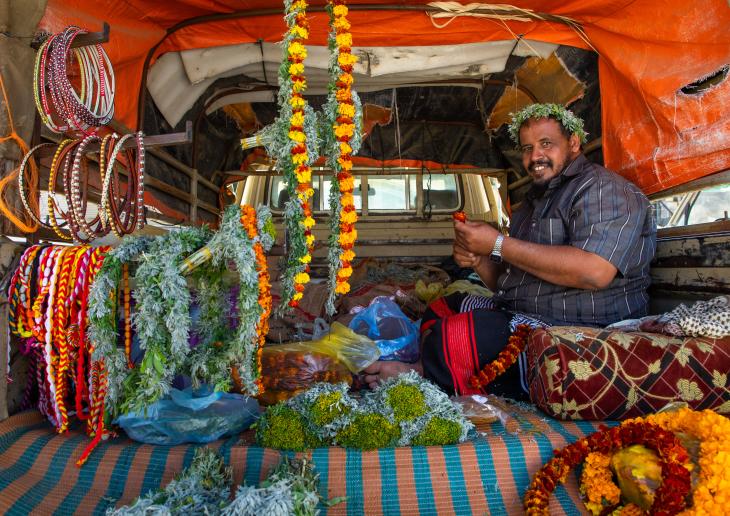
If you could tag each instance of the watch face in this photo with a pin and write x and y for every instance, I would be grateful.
(496, 258)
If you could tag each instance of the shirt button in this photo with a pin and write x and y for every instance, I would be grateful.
(500, 292)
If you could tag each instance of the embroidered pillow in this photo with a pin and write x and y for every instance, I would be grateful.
(596, 374)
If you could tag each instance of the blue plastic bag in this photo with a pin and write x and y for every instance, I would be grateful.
(394, 333)
(191, 417)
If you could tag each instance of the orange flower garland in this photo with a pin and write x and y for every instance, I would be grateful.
(712, 491)
(506, 358)
(344, 116)
(344, 128)
(596, 483)
(668, 499)
(249, 222)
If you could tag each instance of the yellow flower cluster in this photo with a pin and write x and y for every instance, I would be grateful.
(344, 40)
(596, 483)
(300, 159)
(297, 102)
(301, 278)
(347, 256)
(297, 50)
(348, 238)
(297, 136)
(305, 175)
(711, 495)
(299, 32)
(348, 217)
(346, 59)
(345, 129)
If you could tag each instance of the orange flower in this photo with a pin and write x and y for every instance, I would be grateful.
(342, 287)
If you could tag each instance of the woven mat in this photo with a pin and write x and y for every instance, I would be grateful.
(486, 476)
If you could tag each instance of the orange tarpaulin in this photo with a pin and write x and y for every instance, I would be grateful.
(653, 134)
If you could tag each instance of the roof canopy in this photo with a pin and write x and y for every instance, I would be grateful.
(654, 133)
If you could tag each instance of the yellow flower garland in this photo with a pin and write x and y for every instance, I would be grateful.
(298, 33)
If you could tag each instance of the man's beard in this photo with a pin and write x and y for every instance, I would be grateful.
(548, 163)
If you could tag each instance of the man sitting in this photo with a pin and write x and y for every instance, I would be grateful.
(578, 253)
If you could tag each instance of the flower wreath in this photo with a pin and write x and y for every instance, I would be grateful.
(243, 238)
(668, 499)
(567, 118)
(709, 495)
(343, 137)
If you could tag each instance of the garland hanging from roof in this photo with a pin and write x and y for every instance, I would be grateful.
(292, 140)
(343, 130)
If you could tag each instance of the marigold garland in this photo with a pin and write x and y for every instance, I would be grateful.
(668, 499)
(506, 358)
(295, 157)
(596, 483)
(343, 115)
(250, 224)
(712, 492)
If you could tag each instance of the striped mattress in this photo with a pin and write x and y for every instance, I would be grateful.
(488, 475)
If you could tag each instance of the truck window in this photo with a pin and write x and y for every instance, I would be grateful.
(696, 207)
(385, 193)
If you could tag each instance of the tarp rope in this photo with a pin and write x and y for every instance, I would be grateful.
(28, 225)
(501, 13)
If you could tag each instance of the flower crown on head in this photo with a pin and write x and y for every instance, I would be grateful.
(566, 117)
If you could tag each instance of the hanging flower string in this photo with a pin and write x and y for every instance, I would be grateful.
(506, 358)
(343, 114)
(249, 222)
(668, 499)
(295, 156)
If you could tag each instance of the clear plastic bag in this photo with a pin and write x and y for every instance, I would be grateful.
(287, 369)
(394, 333)
(191, 417)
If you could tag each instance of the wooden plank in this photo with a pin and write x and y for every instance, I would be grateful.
(719, 178)
(693, 252)
(705, 279)
(709, 228)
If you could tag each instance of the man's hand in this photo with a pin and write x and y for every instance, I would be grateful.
(474, 237)
(465, 259)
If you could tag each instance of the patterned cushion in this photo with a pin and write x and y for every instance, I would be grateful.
(595, 374)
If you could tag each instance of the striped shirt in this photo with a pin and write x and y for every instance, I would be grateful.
(596, 210)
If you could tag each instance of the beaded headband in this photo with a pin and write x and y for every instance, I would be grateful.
(572, 123)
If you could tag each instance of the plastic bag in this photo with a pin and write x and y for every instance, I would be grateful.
(287, 369)
(394, 333)
(187, 417)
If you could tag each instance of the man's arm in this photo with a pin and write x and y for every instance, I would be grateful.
(561, 265)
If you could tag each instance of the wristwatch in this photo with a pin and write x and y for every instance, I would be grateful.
(496, 254)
